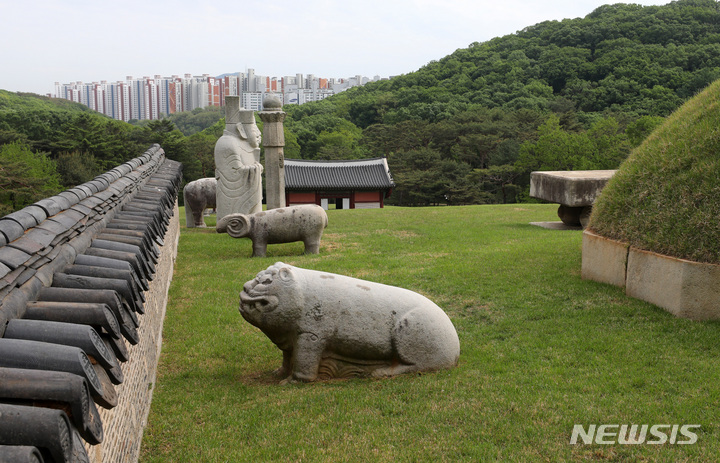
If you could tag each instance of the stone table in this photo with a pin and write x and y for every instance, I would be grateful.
(575, 191)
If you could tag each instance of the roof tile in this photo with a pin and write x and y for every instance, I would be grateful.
(361, 174)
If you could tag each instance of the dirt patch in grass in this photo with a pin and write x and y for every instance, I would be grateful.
(260, 378)
(400, 234)
(334, 242)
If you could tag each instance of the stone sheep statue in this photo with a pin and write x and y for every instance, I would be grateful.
(198, 195)
(283, 225)
(331, 326)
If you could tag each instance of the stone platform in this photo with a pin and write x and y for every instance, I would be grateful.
(575, 191)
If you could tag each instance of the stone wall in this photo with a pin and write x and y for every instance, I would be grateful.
(55, 256)
(684, 288)
(124, 424)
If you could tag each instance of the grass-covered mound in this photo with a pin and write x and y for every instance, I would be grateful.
(665, 197)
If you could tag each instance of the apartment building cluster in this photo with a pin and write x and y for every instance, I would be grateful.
(154, 97)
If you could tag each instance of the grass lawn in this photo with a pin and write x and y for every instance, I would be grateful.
(541, 351)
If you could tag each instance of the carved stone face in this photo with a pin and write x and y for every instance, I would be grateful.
(270, 300)
(254, 137)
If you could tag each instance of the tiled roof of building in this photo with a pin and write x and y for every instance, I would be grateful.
(360, 174)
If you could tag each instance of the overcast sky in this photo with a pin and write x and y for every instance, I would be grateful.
(44, 41)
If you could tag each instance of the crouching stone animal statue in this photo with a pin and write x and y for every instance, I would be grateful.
(330, 326)
(198, 195)
(282, 225)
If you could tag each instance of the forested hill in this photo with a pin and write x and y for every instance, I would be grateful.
(571, 94)
(31, 101)
(49, 144)
(625, 57)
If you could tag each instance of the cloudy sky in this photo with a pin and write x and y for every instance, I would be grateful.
(44, 41)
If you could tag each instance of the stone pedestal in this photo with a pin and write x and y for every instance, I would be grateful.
(684, 288)
(274, 142)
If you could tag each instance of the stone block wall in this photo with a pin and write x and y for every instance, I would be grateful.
(124, 424)
(684, 288)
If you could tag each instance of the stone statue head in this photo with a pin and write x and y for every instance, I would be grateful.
(243, 120)
(249, 131)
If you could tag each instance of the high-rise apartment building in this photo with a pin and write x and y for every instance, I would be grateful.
(153, 98)
(252, 100)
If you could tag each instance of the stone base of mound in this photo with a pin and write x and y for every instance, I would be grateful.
(684, 288)
(604, 260)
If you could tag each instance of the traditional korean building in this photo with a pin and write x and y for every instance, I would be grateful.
(354, 184)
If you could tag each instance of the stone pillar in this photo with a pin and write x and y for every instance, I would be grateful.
(273, 140)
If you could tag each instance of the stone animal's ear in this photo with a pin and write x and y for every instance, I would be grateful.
(285, 274)
(241, 130)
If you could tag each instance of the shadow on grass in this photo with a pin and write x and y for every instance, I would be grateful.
(259, 378)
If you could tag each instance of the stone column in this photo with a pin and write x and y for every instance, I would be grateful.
(273, 140)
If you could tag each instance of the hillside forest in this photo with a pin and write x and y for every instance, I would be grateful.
(465, 129)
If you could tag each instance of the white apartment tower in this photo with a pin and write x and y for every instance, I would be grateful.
(251, 85)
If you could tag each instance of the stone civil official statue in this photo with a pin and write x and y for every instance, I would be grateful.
(237, 162)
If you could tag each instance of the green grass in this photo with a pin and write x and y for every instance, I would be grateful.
(541, 350)
(666, 196)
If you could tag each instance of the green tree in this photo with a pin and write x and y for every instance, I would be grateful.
(192, 122)
(609, 146)
(385, 139)
(500, 182)
(638, 130)
(292, 147)
(25, 177)
(308, 129)
(603, 146)
(76, 168)
(416, 178)
(175, 145)
(340, 144)
(201, 147)
(555, 149)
